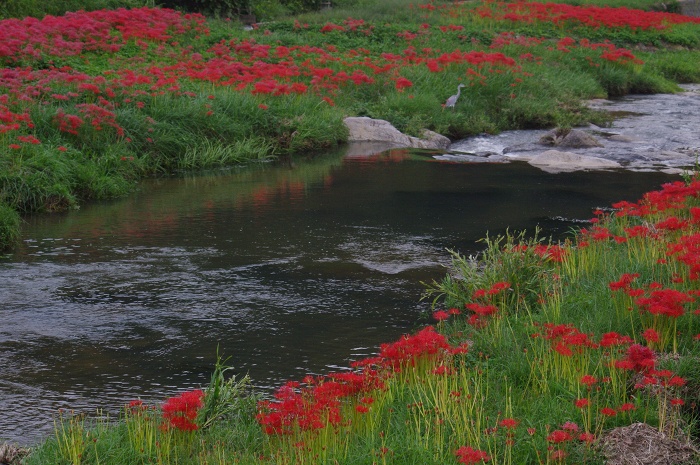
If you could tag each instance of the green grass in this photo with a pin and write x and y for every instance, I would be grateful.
(203, 125)
(514, 395)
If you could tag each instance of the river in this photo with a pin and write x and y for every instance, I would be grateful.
(289, 269)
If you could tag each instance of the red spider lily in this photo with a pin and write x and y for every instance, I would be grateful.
(443, 370)
(583, 402)
(180, 412)
(361, 408)
(614, 339)
(558, 455)
(466, 455)
(558, 436)
(441, 315)
(329, 27)
(408, 349)
(651, 336)
(136, 407)
(553, 253)
(498, 287)
(672, 224)
(624, 282)
(68, 123)
(666, 302)
(567, 340)
(29, 140)
(687, 251)
(639, 358)
(509, 423)
(626, 407)
(482, 310)
(608, 411)
(402, 83)
(570, 426)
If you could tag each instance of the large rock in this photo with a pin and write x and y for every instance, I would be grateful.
(364, 129)
(570, 138)
(554, 161)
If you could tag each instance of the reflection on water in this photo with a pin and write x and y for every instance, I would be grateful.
(290, 270)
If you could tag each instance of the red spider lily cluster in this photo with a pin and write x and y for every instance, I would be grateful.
(467, 454)
(180, 412)
(667, 226)
(587, 15)
(76, 33)
(88, 104)
(318, 403)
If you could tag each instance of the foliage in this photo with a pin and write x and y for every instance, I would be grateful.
(40, 8)
(535, 357)
(261, 9)
(9, 226)
(93, 101)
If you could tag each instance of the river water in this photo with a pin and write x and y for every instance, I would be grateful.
(290, 269)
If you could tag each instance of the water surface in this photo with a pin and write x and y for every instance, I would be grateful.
(289, 270)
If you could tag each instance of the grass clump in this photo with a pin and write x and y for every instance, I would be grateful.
(10, 222)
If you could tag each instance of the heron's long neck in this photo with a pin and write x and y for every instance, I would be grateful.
(459, 89)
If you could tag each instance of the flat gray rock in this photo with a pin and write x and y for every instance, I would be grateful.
(648, 133)
(555, 161)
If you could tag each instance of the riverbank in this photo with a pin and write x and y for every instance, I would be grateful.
(541, 353)
(480, 386)
(153, 91)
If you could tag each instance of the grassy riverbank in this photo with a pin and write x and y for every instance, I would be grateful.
(94, 101)
(539, 352)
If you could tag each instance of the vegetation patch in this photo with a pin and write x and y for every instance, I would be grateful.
(540, 351)
(93, 101)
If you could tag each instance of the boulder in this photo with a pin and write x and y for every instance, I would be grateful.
(432, 140)
(554, 161)
(364, 129)
(570, 138)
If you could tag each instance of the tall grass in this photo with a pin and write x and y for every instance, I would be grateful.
(151, 129)
(41, 8)
(538, 357)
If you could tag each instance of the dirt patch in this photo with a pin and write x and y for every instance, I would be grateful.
(11, 454)
(641, 444)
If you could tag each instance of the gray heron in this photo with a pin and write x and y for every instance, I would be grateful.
(450, 103)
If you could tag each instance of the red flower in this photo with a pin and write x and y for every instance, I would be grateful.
(509, 423)
(402, 83)
(581, 403)
(466, 455)
(559, 436)
(651, 336)
(639, 358)
(181, 411)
